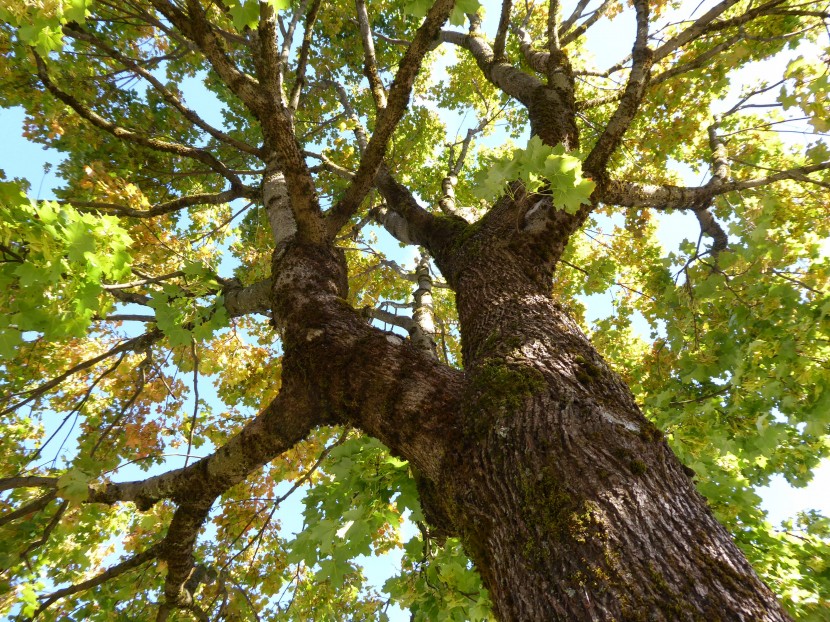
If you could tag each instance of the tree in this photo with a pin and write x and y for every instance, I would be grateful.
(487, 416)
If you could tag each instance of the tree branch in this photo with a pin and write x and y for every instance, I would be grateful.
(112, 572)
(501, 32)
(75, 31)
(302, 62)
(195, 26)
(580, 30)
(235, 192)
(30, 508)
(630, 194)
(388, 119)
(32, 481)
(370, 64)
(129, 135)
(505, 76)
(135, 344)
(638, 78)
(280, 426)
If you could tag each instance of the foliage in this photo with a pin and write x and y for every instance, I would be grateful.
(116, 295)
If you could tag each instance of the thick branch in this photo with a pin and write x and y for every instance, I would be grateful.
(418, 221)
(575, 15)
(370, 63)
(612, 135)
(388, 119)
(195, 26)
(387, 317)
(505, 76)
(630, 194)
(276, 429)
(279, 133)
(537, 59)
(33, 481)
(706, 23)
(501, 33)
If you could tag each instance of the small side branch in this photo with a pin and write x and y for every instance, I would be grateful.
(136, 344)
(129, 564)
(122, 133)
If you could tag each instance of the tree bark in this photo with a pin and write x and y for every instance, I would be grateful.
(569, 501)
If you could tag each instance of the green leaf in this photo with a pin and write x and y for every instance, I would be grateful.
(244, 13)
(76, 10)
(418, 8)
(460, 10)
(74, 486)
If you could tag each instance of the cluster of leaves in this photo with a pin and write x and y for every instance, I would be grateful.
(542, 169)
(40, 23)
(55, 261)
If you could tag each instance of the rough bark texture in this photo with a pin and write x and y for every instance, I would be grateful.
(569, 501)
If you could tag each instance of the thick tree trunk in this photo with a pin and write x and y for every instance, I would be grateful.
(569, 501)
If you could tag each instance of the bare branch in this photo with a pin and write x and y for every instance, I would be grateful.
(287, 43)
(501, 33)
(553, 26)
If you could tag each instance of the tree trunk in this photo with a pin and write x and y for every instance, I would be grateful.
(569, 501)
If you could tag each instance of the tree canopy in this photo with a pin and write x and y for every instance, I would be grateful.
(159, 398)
